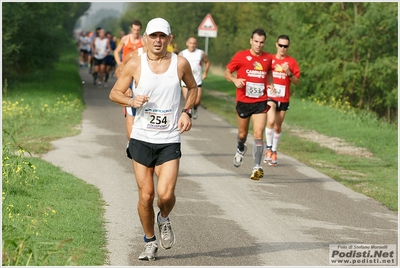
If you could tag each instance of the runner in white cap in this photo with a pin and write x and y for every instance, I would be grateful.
(155, 143)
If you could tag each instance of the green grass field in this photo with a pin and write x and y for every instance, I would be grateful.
(49, 217)
(376, 177)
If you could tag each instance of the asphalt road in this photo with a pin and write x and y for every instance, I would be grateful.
(221, 217)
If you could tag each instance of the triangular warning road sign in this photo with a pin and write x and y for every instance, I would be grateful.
(208, 24)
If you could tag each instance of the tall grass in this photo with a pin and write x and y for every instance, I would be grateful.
(49, 217)
(376, 177)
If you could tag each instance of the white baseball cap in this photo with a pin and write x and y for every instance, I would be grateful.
(158, 25)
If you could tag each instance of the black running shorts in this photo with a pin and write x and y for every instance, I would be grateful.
(280, 106)
(151, 154)
(99, 62)
(245, 110)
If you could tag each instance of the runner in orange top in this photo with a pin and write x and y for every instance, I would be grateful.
(129, 45)
(130, 42)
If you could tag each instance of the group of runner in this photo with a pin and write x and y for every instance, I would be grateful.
(102, 52)
(262, 94)
(96, 52)
(150, 80)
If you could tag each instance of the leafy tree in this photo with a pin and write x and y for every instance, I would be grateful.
(175, 13)
(235, 23)
(349, 53)
(34, 33)
(110, 24)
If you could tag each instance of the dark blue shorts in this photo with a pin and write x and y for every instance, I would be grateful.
(110, 60)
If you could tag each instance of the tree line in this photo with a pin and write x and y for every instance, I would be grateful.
(34, 34)
(347, 52)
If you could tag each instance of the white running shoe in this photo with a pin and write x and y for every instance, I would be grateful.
(150, 251)
(238, 158)
(167, 237)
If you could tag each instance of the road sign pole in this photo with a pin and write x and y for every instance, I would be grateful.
(207, 29)
(206, 49)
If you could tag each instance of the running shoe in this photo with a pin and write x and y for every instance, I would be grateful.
(99, 83)
(167, 237)
(195, 114)
(105, 84)
(238, 159)
(268, 154)
(274, 159)
(150, 251)
(257, 173)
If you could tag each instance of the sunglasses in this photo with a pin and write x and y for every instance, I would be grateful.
(285, 46)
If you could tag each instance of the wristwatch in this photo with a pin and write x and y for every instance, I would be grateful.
(188, 112)
(290, 75)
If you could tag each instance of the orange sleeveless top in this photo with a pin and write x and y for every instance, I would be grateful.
(129, 46)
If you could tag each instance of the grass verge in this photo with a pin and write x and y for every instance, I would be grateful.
(44, 106)
(376, 177)
(49, 217)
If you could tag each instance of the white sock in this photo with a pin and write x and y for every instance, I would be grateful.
(269, 134)
(276, 141)
(161, 218)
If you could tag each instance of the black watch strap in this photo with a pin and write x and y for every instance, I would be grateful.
(188, 112)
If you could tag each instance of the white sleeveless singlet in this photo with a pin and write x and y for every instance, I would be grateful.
(129, 109)
(101, 47)
(84, 43)
(157, 121)
(195, 60)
